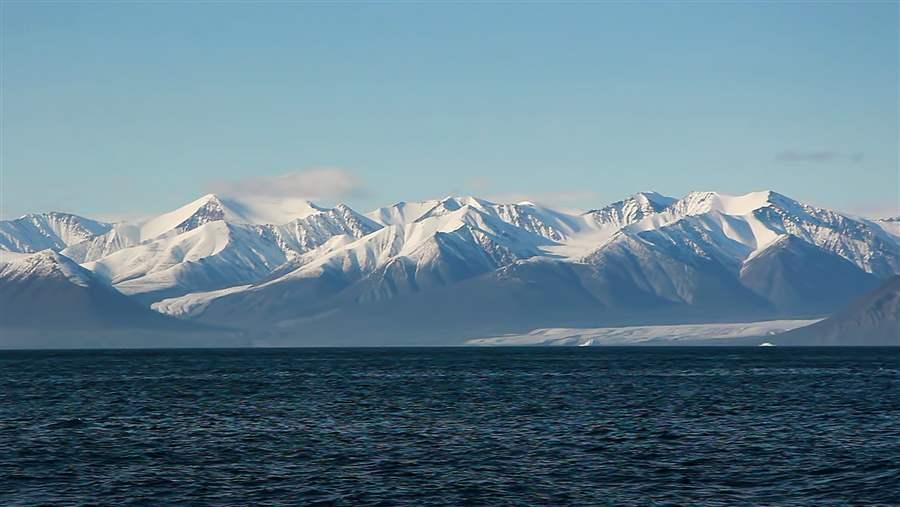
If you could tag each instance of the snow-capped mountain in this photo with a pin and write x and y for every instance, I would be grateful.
(212, 243)
(732, 229)
(435, 249)
(207, 209)
(630, 210)
(212, 208)
(46, 289)
(214, 255)
(402, 212)
(49, 301)
(465, 265)
(314, 230)
(36, 232)
(45, 265)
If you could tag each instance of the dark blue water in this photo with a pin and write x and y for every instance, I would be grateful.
(576, 426)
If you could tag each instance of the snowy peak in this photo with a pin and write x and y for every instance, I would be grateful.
(260, 210)
(524, 216)
(738, 227)
(190, 216)
(654, 200)
(122, 235)
(46, 265)
(313, 231)
(215, 248)
(431, 238)
(532, 218)
(402, 212)
(697, 203)
(451, 204)
(212, 256)
(631, 210)
(355, 224)
(54, 230)
(211, 208)
(71, 228)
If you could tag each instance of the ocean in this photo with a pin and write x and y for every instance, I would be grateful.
(451, 426)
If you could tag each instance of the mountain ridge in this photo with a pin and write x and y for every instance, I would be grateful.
(473, 265)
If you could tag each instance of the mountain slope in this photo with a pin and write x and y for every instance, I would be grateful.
(401, 213)
(873, 319)
(630, 268)
(210, 256)
(858, 241)
(798, 277)
(48, 290)
(48, 301)
(304, 234)
(891, 226)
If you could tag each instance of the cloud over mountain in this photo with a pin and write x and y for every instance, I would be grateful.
(323, 183)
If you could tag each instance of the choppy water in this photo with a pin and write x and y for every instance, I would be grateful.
(581, 426)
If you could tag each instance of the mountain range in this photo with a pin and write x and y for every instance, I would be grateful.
(266, 271)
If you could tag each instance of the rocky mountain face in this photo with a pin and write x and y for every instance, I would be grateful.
(441, 271)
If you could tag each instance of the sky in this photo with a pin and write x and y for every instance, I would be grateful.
(118, 110)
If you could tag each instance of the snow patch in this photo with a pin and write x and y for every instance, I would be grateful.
(192, 304)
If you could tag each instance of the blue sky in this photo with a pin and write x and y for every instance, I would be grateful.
(120, 109)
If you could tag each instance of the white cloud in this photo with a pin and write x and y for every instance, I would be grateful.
(324, 183)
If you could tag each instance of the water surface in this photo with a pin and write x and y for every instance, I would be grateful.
(558, 426)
